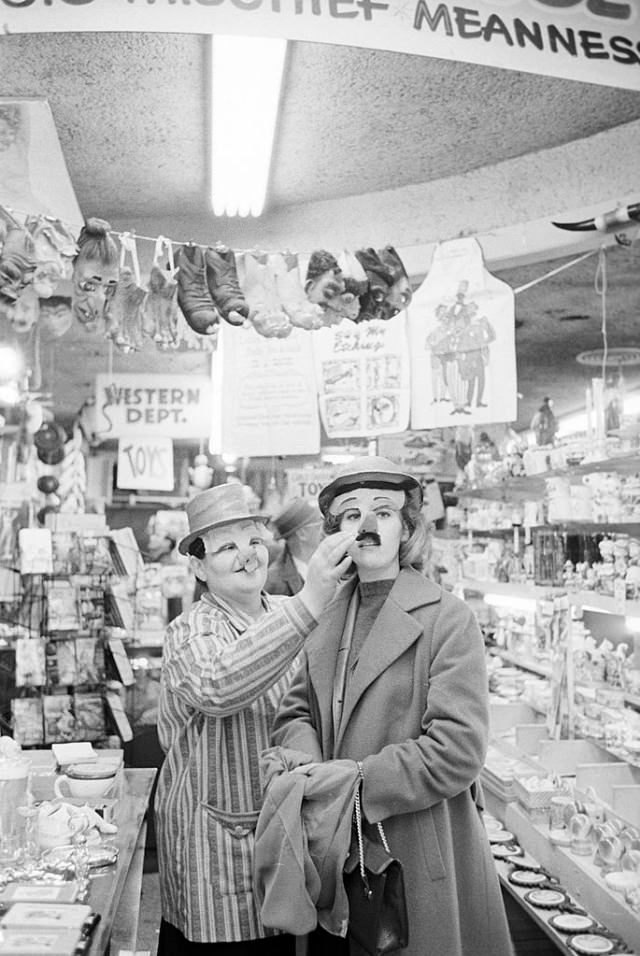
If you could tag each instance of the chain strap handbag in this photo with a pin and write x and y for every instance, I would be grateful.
(374, 883)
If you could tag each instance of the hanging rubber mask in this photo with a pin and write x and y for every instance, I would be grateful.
(55, 316)
(95, 273)
(94, 285)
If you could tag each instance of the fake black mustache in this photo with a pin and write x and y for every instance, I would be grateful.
(364, 534)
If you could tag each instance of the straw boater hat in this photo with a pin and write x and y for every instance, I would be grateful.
(370, 472)
(215, 507)
(297, 514)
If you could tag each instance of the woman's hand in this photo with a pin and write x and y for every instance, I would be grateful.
(327, 565)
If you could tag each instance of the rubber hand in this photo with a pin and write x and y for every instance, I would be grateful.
(327, 565)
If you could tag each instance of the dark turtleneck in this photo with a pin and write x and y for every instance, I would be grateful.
(372, 596)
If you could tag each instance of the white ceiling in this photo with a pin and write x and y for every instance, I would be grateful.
(372, 148)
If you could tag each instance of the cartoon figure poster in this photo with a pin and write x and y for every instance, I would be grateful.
(362, 370)
(462, 335)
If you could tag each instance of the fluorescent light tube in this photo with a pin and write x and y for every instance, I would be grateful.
(246, 76)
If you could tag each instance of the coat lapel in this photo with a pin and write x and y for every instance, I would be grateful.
(394, 630)
(322, 653)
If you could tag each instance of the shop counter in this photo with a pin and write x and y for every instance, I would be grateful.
(115, 895)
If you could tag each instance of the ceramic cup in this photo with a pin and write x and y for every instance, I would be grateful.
(84, 781)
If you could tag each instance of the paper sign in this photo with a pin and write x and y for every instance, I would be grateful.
(307, 483)
(36, 555)
(265, 400)
(176, 406)
(145, 463)
(363, 377)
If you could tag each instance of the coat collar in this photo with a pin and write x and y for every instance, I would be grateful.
(393, 632)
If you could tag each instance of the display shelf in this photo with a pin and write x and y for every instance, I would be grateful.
(534, 667)
(578, 875)
(116, 895)
(539, 916)
(533, 486)
(537, 592)
(584, 599)
(529, 487)
(592, 527)
(460, 534)
(631, 528)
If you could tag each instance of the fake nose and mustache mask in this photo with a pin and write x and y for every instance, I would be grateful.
(368, 529)
(248, 560)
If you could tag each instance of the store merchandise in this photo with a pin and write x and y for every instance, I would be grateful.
(222, 281)
(14, 780)
(267, 314)
(95, 275)
(194, 297)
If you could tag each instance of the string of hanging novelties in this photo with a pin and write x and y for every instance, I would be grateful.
(199, 285)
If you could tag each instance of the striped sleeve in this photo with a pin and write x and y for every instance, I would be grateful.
(219, 672)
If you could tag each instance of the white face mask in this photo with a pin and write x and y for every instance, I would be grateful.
(375, 514)
(235, 561)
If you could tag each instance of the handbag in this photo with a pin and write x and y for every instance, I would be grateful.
(374, 882)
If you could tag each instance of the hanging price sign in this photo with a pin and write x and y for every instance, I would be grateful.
(308, 482)
(145, 463)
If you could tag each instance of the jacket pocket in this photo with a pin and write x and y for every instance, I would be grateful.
(231, 843)
(237, 825)
(428, 839)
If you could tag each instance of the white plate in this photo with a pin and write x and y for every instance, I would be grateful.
(591, 943)
(526, 878)
(548, 898)
(571, 922)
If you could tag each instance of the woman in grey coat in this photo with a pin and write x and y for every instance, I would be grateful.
(394, 677)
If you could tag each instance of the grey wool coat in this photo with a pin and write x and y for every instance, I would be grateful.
(416, 714)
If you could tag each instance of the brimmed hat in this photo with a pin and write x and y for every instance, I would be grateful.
(215, 507)
(297, 514)
(370, 472)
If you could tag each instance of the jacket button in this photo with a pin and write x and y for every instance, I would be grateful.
(238, 830)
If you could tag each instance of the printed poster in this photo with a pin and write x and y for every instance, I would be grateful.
(363, 377)
(264, 394)
(462, 334)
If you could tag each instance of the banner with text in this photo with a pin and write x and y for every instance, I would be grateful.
(595, 41)
(363, 377)
(175, 406)
(264, 395)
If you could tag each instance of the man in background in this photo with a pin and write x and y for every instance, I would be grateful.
(299, 527)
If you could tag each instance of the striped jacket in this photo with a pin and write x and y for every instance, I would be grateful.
(223, 675)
